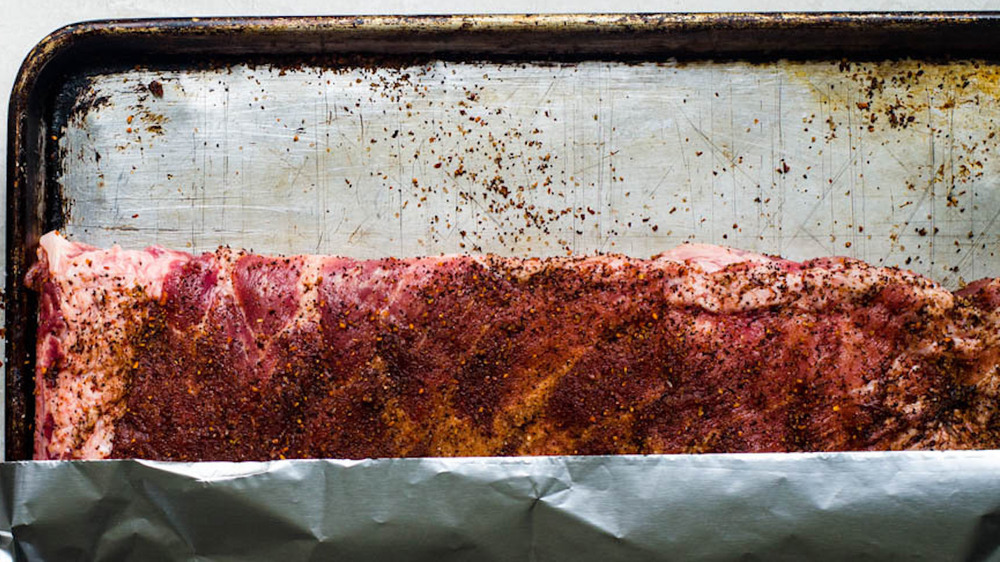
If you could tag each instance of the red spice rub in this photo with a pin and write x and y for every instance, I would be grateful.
(236, 356)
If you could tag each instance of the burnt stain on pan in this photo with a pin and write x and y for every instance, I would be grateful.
(156, 89)
(151, 121)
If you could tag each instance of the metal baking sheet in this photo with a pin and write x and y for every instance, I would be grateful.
(889, 162)
(863, 506)
(801, 135)
(867, 135)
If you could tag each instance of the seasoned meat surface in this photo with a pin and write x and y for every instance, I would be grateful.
(230, 355)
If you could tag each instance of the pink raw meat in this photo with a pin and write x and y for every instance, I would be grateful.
(228, 355)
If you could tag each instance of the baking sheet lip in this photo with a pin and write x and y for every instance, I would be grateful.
(64, 36)
(64, 39)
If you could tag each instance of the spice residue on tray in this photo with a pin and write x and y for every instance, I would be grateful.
(888, 162)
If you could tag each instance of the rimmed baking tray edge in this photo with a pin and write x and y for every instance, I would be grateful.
(34, 203)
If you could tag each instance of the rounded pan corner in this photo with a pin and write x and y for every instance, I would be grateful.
(51, 47)
(65, 42)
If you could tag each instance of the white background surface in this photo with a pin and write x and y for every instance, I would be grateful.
(23, 24)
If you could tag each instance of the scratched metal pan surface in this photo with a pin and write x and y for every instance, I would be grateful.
(868, 135)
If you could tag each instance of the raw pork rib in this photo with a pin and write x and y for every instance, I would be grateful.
(228, 355)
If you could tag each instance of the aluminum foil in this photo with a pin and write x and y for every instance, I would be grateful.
(864, 506)
(885, 161)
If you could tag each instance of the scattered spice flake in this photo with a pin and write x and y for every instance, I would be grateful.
(156, 89)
